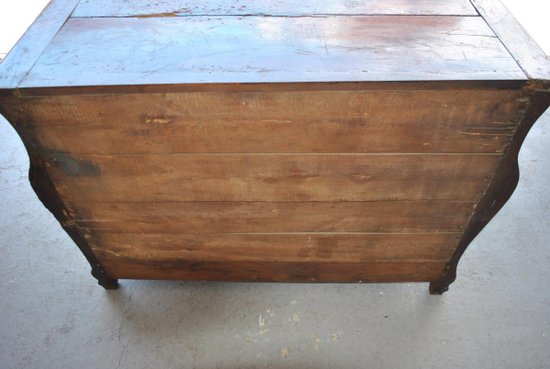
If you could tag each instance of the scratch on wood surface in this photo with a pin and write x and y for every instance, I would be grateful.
(158, 120)
(172, 14)
(158, 15)
(484, 134)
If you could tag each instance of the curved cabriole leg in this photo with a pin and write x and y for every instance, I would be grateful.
(439, 287)
(104, 280)
(502, 184)
(442, 284)
(46, 192)
(45, 189)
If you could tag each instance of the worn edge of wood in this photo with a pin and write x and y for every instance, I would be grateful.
(272, 272)
(262, 87)
(34, 41)
(502, 185)
(46, 192)
(525, 51)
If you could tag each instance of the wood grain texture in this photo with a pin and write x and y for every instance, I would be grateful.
(27, 50)
(111, 51)
(274, 272)
(266, 177)
(531, 58)
(147, 8)
(311, 247)
(239, 217)
(303, 121)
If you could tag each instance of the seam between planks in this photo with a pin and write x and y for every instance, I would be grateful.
(265, 15)
(496, 154)
(48, 44)
(500, 39)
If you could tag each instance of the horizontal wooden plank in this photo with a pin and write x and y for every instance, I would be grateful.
(236, 217)
(273, 272)
(129, 51)
(299, 121)
(266, 87)
(310, 247)
(267, 177)
(123, 8)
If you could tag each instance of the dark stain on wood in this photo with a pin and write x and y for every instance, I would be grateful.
(74, 167)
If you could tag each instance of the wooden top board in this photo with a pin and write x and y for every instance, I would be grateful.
(115, 42)
(124, 8)
(270, 49)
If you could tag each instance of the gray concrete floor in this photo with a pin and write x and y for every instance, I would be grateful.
(496, 315)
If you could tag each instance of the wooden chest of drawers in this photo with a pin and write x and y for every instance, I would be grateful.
(365, 141)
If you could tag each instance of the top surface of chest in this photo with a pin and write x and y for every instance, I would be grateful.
(114, 42)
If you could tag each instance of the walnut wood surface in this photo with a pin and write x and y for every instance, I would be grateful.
(285, 247)
(112, 90)
(406, 121)
(271, 177)
(375, 142)
(268, 217)
(132, 268)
